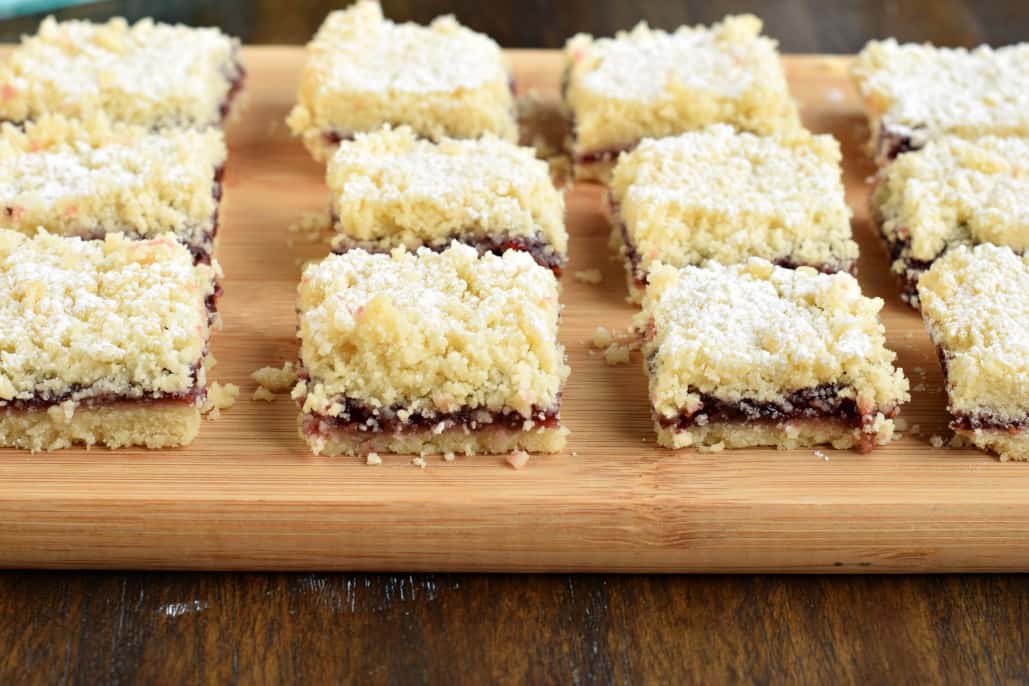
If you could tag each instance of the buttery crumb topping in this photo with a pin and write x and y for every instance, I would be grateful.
(363, 71)
(923, 90)
(976, 307)
(650, 83)
(430, 332)
(391, 188)
(80, 319)
(758, 332)
(723, 195)
(91, 177)
(957, 191)
(153, 74)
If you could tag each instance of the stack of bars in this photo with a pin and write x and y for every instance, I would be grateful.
(111, 162)
(950, 135)
(433, 328)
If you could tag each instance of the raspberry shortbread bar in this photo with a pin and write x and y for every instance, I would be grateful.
(90, 178)
(390, 189)
(754, 354)
(430, 352)
(975, 301)
(104, 342)
(915, 93)
(364, 71)
(648, 83)
(151, 74)
(717, 194)
(952, 192)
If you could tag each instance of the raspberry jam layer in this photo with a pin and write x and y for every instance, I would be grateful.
(357, 417)
(538, 249)
(891, 144)
(237, 74)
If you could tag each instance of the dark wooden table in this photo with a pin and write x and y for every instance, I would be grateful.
(152, 628)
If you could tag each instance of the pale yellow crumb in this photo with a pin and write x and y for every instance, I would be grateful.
(518, 459)
(448, 457)
(420, 462)
(312, 227)
(219, 397)
(602, 338)
(617, 353)
(373, 459)
(819, 454)
(276, 379)
(262, 393)
(590, 276)
(936, 441)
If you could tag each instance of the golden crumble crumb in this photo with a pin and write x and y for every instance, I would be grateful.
(590, 276)
(518, 459)
(219, 397)
(936, 441)
(312, 227)
(262, 393)
(616, 354)
(373, 459)
(448, 456)
(276, 379)
(602, 338)
(420, 462)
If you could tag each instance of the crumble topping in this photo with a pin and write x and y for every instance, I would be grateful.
(219, 397)
(723, 195)
(391, 188)
(430, 332)
(153, 74)
(922, 90)
(650, 83)
(758, 332)
(976, 307)
(106, 317)
(363, 71)
(90, 177)
(957, 191)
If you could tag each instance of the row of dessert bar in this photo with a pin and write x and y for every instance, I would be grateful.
(111, 160)
(707, 165)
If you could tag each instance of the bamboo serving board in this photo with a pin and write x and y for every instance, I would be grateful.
(248, 495)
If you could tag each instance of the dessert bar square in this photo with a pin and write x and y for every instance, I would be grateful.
(952, 192)
(90, 178)
(717, 194)
(914, 93)
(151, 74)
(391, 189)
(648, 83)
(754, 354)
(364, 71)
(430, 352)
(975, 301)
(104, 342)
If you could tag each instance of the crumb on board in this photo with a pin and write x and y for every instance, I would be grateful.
(602, 338)
(276, 379)
(518, 459)
(590, 276)
(420, 462)
(448, 456)
(262, 393)
(312, 227)
(219, 397)
(821, 455)
(373, 459)
(617, 353)
(936, 441)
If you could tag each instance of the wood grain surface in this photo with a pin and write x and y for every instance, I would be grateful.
(161, 628)
(247, 495)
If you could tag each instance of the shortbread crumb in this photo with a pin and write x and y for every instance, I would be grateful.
(602, 338)
(276, 379)
(262, 393)
(372, 459)
(590, 276)
(936, 441)
(448, 456)
(617, 354)
(518, 459)
(420, 462)
(220, 397)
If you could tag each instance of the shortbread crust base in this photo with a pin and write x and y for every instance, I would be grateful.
(1006, 445)
(153, 425)
(784, 436)
(484, 441)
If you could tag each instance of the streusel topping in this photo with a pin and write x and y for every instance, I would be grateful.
(723, 195)
(954, 190)
(92, 177)
(758, 332)
(364, 71)
(976, 307)
(928, 90)
(430, 332)
(648, 82)
(90, 318)
(148, 73)
(394, 189)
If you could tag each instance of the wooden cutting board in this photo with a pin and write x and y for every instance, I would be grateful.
(248, 495)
